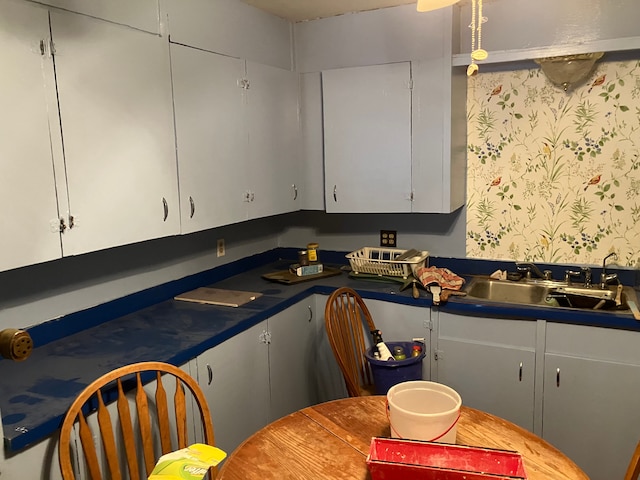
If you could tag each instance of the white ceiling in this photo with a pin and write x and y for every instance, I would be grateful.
(300, 10)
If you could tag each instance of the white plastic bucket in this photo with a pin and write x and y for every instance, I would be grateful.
(422, 410)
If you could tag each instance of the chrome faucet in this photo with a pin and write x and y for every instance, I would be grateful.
(586, 271)
(604, 277)
(531, 267)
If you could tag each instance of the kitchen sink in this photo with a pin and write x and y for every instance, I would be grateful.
(507, 291)
(550, 293)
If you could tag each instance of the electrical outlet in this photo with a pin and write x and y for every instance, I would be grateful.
(388, 238)
(220, 252)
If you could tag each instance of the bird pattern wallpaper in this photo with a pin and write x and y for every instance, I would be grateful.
(554, 176)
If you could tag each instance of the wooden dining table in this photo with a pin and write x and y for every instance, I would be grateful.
(331, 441)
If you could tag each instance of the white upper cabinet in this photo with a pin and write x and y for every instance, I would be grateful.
(116, 116)
(28, 209)
(394, 130)
(439, 136)
(273, 172)
(237, 137)
(367, 138)
(212, 144)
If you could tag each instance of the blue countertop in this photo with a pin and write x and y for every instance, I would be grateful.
(35, 394)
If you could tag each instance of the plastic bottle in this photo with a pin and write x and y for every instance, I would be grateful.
(383, 350)
(416, 351)
(385, 353)
(312, 250)
(398, 353)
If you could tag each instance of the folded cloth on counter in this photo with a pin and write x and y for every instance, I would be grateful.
(437, 279)
(443, 277)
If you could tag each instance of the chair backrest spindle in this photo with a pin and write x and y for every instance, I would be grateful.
(346, 319)
(150, 440)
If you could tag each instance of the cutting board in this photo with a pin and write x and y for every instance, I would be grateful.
(217, 296)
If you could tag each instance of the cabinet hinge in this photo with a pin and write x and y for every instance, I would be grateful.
(47, 47)
(244, 83)
(410, 84)
(438, 355)
(428, 324)
(265, 337)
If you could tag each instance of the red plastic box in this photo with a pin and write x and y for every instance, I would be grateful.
(397, 459)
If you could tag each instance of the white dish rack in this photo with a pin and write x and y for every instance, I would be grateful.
(382, 262)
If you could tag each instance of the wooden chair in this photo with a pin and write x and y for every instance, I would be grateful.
(347, 320)
(153, 436)
(633, 470)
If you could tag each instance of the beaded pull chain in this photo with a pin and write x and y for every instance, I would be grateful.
(477, 19)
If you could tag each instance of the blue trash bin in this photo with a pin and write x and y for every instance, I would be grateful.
(387, 373)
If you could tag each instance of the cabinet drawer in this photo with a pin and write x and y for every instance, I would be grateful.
(593, 342)
(517, 333)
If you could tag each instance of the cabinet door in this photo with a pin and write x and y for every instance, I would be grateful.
(28, 208)
(490, 363)
(114, 90)
(211, 138)
(402, 323)
(291, 367)
(591, 412)
(235, 378)
(274, 140)
(367, 128)
(591, 391)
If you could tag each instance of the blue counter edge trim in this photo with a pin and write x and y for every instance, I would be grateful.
(66, 325)
(78, 321)
(88, 318)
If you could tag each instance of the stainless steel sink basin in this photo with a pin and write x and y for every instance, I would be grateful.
(549, 294)
(593, 297)
(507, 292)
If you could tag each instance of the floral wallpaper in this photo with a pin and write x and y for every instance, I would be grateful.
(554, 176)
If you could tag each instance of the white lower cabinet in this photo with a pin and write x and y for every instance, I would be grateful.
(235, 378)
(261, 374)
(591, 392)
(291, 359)
(489, 362)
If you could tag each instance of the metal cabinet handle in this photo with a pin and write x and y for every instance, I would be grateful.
(165, 205)
(557, 377)
(310, 313)
(295, 191)
(193, 207)
(209, 374)
(335, 196)
(520, 373)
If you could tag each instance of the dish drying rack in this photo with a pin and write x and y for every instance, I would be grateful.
(389, 262)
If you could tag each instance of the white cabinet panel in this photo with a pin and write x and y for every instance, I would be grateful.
(235, 378)
(116, 114)
(274, 140)
(439, 135)
(28, 205)
(367, 128)
(590, 403)
(212, 143)
(490, 363)
(292, 370)
(312, 141)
